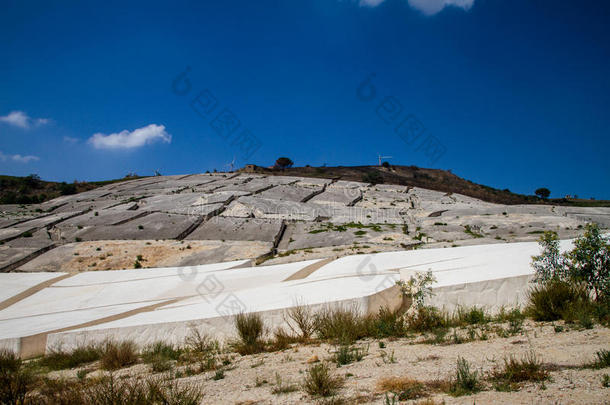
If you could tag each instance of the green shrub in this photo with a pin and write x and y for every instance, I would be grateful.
(471, 316)
(372, 177)
(14, 380)
(349, 354)
(602, 361)
(549, 301)
(589, 261)
(427, 319)
(302, 318)
(202, 349)
(528, 368)
(59, 359)
(465, 382)
(281, 387)
(320, 382)
(160, 356)
(117, 355)
(389, 323)
(250, 329)
(342, 325)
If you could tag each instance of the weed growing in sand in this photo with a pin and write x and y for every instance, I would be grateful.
(403, 388)
(281, 387)
(319, 381)
(516, 371)
(349, 354)
(250, 330)
(465, 382)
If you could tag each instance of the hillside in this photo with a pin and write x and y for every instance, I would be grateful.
(431, 179)
(31, 189)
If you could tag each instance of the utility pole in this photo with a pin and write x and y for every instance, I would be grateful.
(383, 157)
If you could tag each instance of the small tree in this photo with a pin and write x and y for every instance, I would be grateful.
(550, 264)
(283, 163)
(589, 261)
(543, 192)
(419, 287)
(386, 165)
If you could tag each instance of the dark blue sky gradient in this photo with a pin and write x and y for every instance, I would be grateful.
(517, 91)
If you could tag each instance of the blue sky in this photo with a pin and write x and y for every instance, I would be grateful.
(516, 93)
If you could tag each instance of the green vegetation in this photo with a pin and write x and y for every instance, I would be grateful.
(472, 233)
(14, 379)
(283, 163)
(329, 226)
(602, 360)
(372, 177)
(32, 190)
(117, 355)
(60, 359)
(516, 371)
(320, 382)
(402, 388)
(346, 354)
(574, 285)
(160, 356)
(281, 387)
(250, 330)
(543, 192)
(465, 382)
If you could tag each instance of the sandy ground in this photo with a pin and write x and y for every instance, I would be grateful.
(251, 379)
(110, 255)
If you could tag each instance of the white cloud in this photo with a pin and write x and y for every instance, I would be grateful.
(69, 139)
(430, 7)
(427, 7)
(21, 120)
(370, 3)
(129, 140)
(18, 158)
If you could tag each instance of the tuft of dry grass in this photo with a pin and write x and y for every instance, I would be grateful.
(515, 371)
(117, 355)
(250, 330)
(404, 388)
(303, 320)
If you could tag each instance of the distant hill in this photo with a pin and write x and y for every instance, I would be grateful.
(32, 190)
(432, 179)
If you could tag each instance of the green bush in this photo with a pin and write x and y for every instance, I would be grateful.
(160, 355)
(427, 319)
(551, 300)
(117, 355)
(250, 329)
(320, 382)
(342, 325)
(348, 354)
(59, 359)
(372, 177)
(14, 380)
(471, 316)
(603, 359)
(465, 382)
(588, 263)
(528, 368)
(389, 323)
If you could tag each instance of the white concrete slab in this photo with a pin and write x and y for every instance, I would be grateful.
(12, 284)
